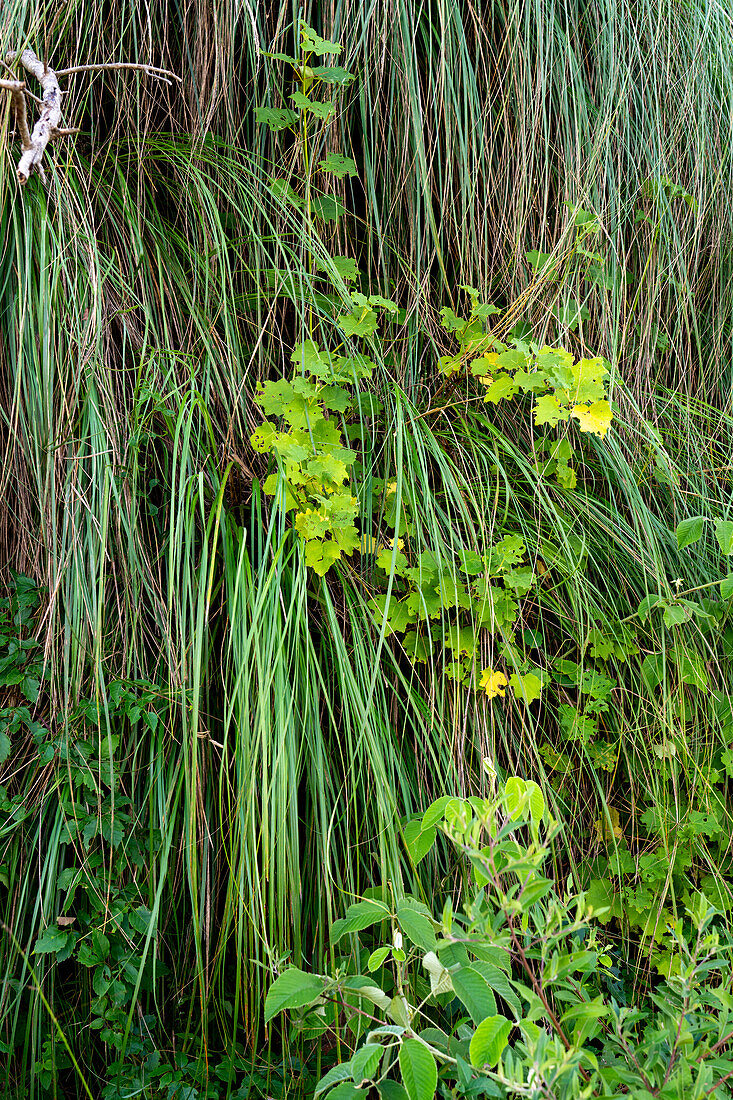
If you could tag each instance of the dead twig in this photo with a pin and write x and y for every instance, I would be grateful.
(150, 70)
(48, 127)
(34, 144)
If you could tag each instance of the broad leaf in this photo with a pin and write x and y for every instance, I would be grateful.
(293, 989)
(363, 914)
(338, 165)
(334, 1076)
(417, 928)
(474, 992)
(689, 531)
(489, 1040)
(365, 1062)
(419, 1071)
(724, 535)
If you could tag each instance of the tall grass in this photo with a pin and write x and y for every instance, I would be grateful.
(138, 314)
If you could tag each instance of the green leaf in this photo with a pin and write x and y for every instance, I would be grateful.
(311, 42)
(276, 118)
(647, 605)
(51, 940)
(344, 266)
(346, 1091)
(377, 958)
(327, 208)
(338, 165)
(293, 989)
(5, 746)
(391, 1090)
(689, 531)
(282, 190)
(418, 841)
(724, 535)
(540, 261)
(365, 1062)
(363, 914)
(417, 928)
(334, 1076)
(332, 74)
(320, 556)
(365, 987)
(489, 1040)
(726, 587)
(547, 410)
(501, 387)
(676, 614)
(360, 322)
(474, 992)
(324, 111)
(419, 1071)
(528, 688)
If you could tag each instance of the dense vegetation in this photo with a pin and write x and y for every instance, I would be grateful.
(366, 439)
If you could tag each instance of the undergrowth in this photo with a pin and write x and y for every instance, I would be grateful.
(366, 436)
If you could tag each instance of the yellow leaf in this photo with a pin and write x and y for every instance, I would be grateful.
(493, 683)
(608, 831)
(594, 418)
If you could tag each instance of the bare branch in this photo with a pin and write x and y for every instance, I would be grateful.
(48, 127)
(21, 118)
(49, 118)
(150, 70)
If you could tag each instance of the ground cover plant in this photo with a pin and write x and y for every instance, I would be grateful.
(366, 436)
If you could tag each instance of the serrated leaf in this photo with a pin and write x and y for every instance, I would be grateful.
(440, 979)
(676, 614)
(360, 322)
(334, 1076)
(345, 267)
(293, 989)
(724, 535)
(501, 387)
(276, 118)
(391, 1090)
(474, 992)
(689, 531)
(338, 165)
(417, 928)
(326, 208)
(346, 1091)
(547, 410)
(489, 1040)
(313, 43)
(51, 940)
(595, 418)
(332, 74)
(540, 261)
(528, 688)
(419, 1071)
(418, 841)
(648, 604)
(320, 556)
(361, 915)
(365, 1062)
(377, 958)
(365, 987)
(324, 111)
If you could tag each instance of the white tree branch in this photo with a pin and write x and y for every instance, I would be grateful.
(150, 70)
(48, 126)
(34, 144)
